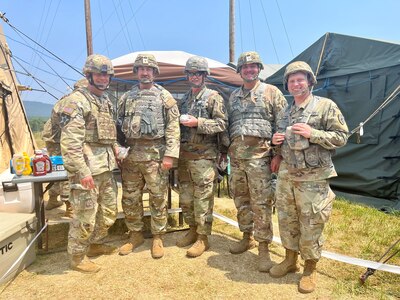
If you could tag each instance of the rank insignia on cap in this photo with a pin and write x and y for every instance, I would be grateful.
(145, 60)
(248, 57)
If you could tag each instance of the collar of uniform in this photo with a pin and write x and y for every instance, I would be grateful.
(199, 94)
(241, 93)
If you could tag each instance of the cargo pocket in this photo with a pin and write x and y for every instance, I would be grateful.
(322, 209)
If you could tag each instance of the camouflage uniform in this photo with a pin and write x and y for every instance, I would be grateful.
(197, 161)
(252, 119)
(303, 196)
(88, 136)
(149, 122)
(51, 136)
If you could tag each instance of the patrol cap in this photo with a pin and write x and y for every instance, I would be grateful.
(299, 66)
(249, 57)
(145, 60)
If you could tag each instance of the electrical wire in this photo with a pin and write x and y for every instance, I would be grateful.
(284, 27)
(128, 41)
(137, 26)
(270, 33)
(240, 27)
(119, 32)
(252, 26)
(102, 26)
(36, 43)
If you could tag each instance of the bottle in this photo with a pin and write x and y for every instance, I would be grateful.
(39, 164)
(18, 163)
(27, 166)
(49, 166)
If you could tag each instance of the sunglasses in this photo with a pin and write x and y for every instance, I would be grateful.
(197, 74)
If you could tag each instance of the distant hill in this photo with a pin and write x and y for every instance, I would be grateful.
(38, 109)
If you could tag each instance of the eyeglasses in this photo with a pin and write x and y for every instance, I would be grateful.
(197, 74)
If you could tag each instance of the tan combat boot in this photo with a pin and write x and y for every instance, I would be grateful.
(157, 249)
(80, 262)
(199, 247)
(189, 238)
(246, 243)
(307, 282)
(288, 265)
(100, 249)
(53, 203)
(265, 263)
(135, 240)
(69, 212)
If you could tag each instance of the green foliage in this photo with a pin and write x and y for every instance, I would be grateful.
(37, 123)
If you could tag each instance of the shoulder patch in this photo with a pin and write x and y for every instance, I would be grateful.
(68, 110)
(169, 102)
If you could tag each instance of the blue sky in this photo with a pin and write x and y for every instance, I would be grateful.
(278, 29)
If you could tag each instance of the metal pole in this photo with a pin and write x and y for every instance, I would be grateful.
(232, 31)
(88, 23)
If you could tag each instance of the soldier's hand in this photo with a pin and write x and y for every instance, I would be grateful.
(190, 122)
(302, 129)
(275, 163)
(88, 182)
(167, 163)
(278, 138)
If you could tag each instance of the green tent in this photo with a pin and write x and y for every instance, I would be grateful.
(363, 77)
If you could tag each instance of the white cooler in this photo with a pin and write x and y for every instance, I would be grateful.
(15, 197)
(17, 230)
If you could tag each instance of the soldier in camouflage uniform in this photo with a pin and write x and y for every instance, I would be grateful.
(88, 143)
(148, 122)
(51, 136)
(203, 116)
(308, 132)
(252, 111)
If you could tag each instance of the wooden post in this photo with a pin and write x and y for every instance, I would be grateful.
(232, 31)
(88, 23)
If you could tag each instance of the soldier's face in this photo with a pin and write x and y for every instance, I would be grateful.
(196, 79)
(101, 80)
(145, 74)
(298, 84)
(249, 72)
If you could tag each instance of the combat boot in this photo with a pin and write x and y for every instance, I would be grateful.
(199, 247)
(265, 263)
(307, 282)
(100, 249)
(189, 238)
(288, 265)
(69, 212)
(246, 243)
(135, 240)
(157, 249)
(80, 262)
(53, 203)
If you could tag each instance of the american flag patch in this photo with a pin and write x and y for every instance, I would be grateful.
(68, 110)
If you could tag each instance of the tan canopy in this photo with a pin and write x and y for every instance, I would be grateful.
(15, 133)
(171, 64)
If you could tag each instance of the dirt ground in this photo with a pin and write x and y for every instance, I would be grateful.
(217, 274)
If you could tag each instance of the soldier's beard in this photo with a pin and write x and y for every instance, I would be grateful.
(146, 80)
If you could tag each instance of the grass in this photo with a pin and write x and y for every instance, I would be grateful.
(353, 230)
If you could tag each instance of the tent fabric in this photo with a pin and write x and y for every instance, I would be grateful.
(15, 133)
(172, 77)
(359, 74)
